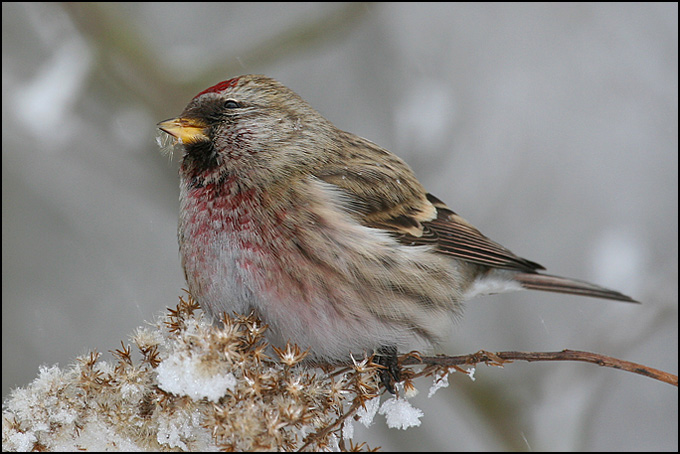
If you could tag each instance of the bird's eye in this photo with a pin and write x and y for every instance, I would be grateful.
(231, 104)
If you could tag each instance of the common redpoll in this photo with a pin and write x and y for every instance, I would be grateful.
(328, 237)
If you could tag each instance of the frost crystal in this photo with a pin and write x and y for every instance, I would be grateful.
(441, 380)
(184, 376)
(347, 430)
(400, 414)
(367, 414)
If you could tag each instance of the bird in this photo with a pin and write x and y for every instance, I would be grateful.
(329, 238)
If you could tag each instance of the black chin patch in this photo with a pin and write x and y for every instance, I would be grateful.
(200, 159)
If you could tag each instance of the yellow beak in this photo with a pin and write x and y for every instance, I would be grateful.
(186, 130)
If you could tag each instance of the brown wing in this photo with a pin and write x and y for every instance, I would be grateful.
(456, 237)
(383, 193)
(388, 196)
(382, 188)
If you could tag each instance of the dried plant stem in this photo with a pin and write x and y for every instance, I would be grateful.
(501, 358)
(356, 405)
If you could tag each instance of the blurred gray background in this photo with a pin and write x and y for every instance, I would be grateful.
(551, 127)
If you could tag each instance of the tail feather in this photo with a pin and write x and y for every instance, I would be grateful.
(550, 283)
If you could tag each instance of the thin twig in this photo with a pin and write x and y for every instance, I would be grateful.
(326, 430)
(501, 358)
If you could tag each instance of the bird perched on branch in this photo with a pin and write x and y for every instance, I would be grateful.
(328, 237)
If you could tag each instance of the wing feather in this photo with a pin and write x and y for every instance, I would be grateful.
(386, 195)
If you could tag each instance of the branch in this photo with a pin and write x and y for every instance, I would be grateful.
(356, 405)
(500, 358)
